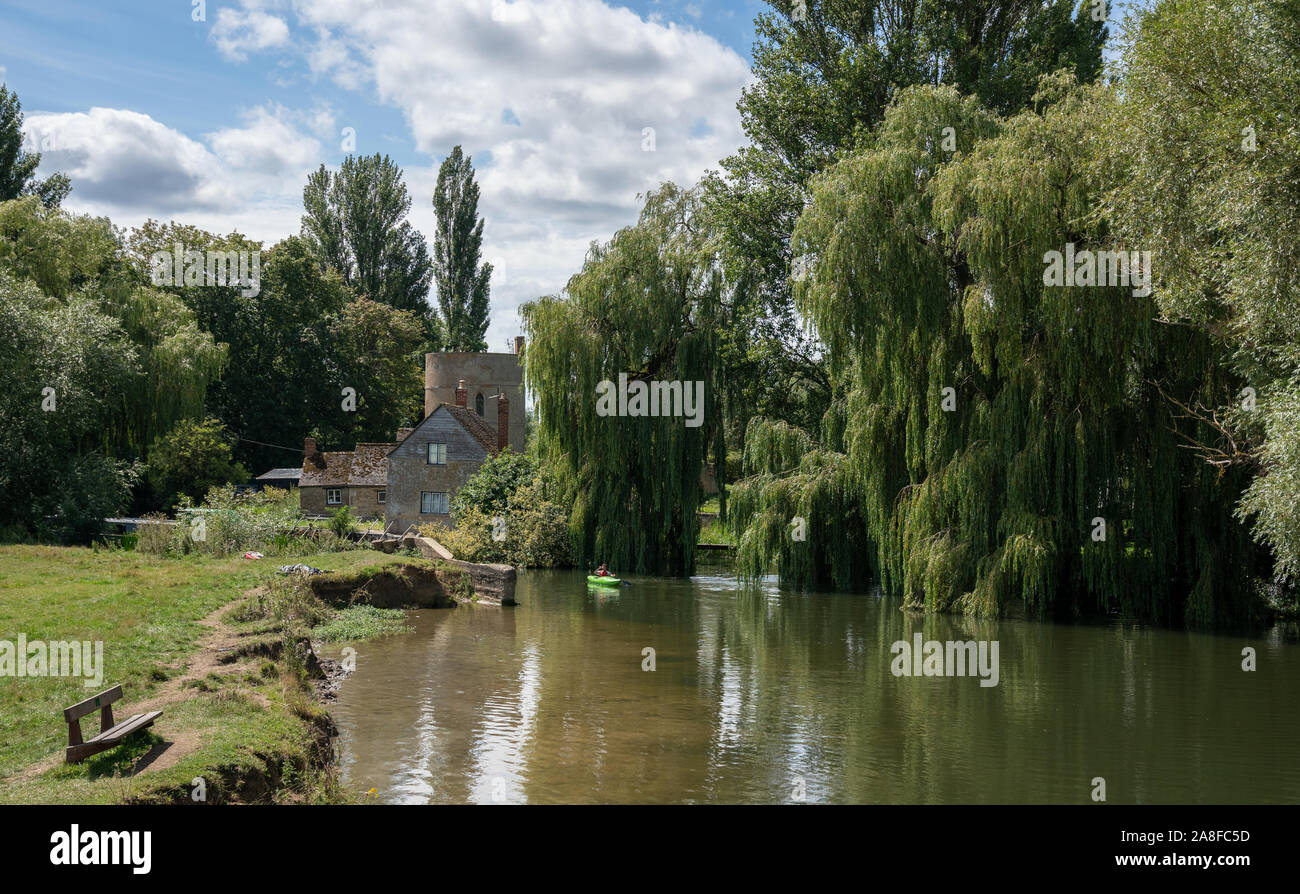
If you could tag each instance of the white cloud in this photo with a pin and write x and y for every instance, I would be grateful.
(236, 33)
(267, 145)
(131, 167)
(581, 80)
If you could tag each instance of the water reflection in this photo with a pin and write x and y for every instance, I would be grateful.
(768, 696)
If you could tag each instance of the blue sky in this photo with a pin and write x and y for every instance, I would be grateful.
(217, 122)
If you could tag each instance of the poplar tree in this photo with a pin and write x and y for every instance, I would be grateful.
(463, 284)
(355, 220)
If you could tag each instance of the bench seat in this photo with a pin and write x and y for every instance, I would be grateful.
(111, 737)
(110, 733)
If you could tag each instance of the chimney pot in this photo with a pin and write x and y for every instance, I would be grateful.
(503, 422)
(519, 344)
(460, 394)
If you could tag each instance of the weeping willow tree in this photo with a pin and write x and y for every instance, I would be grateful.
(797, 506)
(82, 258)
(1010, 442)
(1208, 166)
(646, 305)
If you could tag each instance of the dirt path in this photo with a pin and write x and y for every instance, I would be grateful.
(217, 640)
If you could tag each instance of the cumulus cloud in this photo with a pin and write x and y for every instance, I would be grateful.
(267, 145)
(130, 167)
(560, 103)
(239, 32)
(558, 94)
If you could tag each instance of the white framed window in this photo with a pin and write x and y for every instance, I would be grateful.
(381, 496)
(437, 455)
(433, 503)
(333, 496)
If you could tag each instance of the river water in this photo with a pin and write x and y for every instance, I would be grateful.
(769, 696)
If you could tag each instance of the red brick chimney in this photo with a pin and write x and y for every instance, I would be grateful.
(503, 422)
(519, 344)
(309, 447)
(460, 394)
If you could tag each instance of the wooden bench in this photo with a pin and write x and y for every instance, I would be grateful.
(110, 734)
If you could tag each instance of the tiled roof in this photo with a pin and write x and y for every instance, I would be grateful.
(370, 465)
(474, 424)
(280, 474)
(470, 421)
(367, 466)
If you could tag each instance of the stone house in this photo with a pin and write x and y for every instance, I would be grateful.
(354, 478)
(413, 481)
(431, 464)
(482, 376)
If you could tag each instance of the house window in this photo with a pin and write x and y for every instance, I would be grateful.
(381, 496)
(433, 503)
(478, 403)
(437, 455)
(334, 496)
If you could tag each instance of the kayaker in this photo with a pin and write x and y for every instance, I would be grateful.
(602, 571)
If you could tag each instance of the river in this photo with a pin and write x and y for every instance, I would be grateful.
(771, 697)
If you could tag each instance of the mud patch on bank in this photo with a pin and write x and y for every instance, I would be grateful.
(405, 586)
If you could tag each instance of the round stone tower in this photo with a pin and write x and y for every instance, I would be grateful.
(485, 375)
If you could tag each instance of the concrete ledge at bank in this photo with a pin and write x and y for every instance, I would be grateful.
(493, 584)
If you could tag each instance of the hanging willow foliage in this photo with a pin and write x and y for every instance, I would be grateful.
(798, 506)
(990, 421)
(646, 304)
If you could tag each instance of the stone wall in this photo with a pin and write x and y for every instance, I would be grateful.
(409, 472)
(364, 501)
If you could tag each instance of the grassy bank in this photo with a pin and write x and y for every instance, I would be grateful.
(229, 673)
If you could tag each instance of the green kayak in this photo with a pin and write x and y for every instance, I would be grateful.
(597, 581)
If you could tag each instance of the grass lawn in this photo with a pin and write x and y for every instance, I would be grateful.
(146, 610)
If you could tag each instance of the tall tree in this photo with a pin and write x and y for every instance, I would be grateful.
(1209, 181)
(825, 71)
(463, 284)
(17, 166)
(355, 220)
(645, 305)
(1006, 442)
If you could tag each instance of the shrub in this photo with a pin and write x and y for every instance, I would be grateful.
(341, 521)
(153, 534)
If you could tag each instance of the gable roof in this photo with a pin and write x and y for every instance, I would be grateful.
(367, 466)
(289, 474)
(473, 424)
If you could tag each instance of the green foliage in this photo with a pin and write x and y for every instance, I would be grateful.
(190, 459)
(359, 622)
(504, 514)
(1209, 181)
(302, 339)
(648, 304)
(821, 87)
(18, 167)
(355, 221)
(928, 274)
(341, 521)
(491, 487)
(463, 283)
(376, 350)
